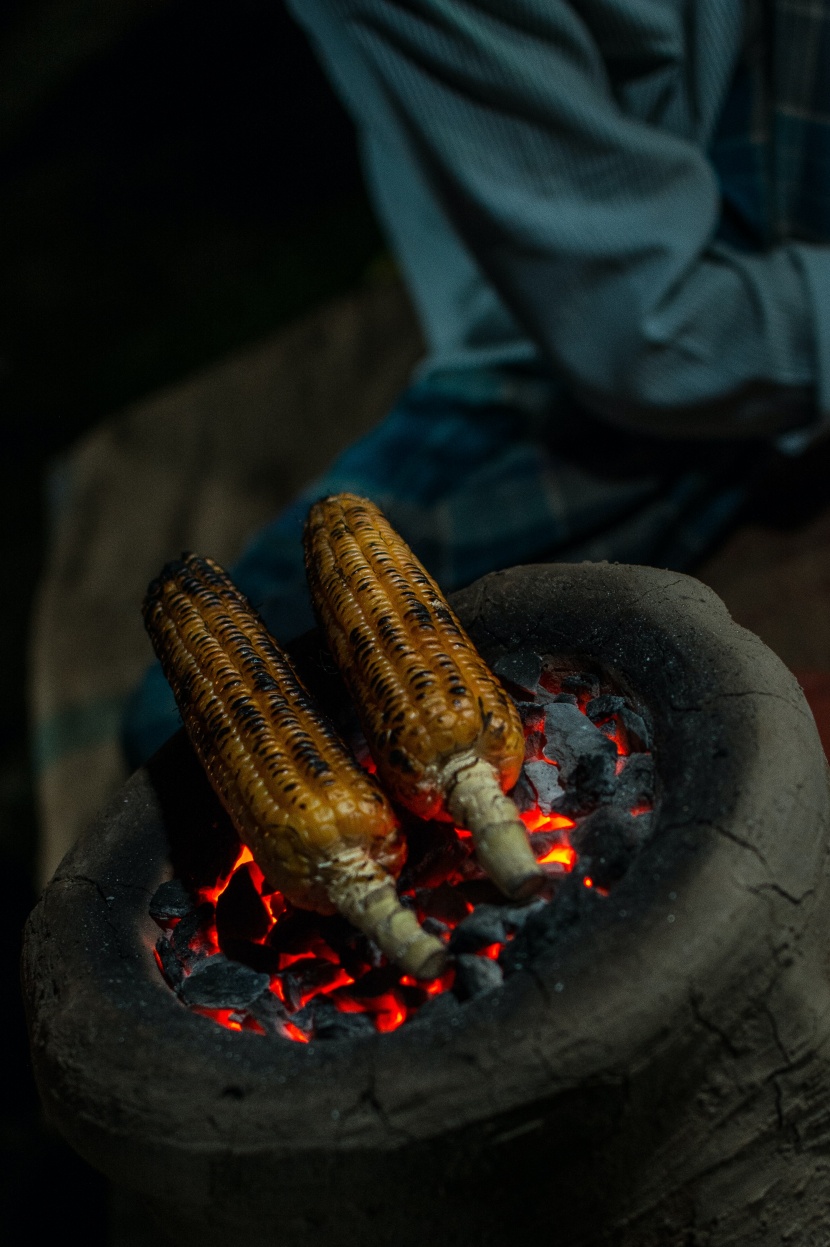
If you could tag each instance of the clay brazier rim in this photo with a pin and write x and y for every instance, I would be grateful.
(117, 1054)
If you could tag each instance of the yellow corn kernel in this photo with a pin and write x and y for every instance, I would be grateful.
(319, 828)
(446, 737)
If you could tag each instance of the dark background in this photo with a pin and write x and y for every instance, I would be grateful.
(176, 179)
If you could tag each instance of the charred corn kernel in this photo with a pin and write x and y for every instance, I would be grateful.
(319, 828)
(446, 737)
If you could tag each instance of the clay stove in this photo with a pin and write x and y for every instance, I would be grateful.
(651, 1071)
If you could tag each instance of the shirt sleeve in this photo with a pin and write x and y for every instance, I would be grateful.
(598, 228)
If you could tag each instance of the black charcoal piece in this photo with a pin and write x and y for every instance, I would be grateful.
(269, 1011)
(330, 1023)
(171, 900)
(442, 1007)
(545, 781)
(376, 982)
(482, 927)
(171, 967)
(475, 975)
(433, 855)
(433, 926)
(188, 938)
(524, 794)
(604, 707)
(303, 1019)
(260, 957)
(534, 743)
(308, 974)
(444, 903)
(566, 699)
(240, 911)
(522, 669)
(571, 737)
(543, 841)
(217, 983)
(591, 783)
(293, 991)
(515, 917)
(635, 782)
(532, 715)
(471, 869)
(549, 924)
(583, 683)
(636, 731)
(606, 841)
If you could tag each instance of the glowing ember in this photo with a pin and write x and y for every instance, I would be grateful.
(306, 962)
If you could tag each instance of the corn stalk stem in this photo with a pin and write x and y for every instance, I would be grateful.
(475, 801)
(365, 894)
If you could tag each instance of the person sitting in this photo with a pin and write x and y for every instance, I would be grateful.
(613, 223)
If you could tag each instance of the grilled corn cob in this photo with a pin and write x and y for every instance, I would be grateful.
(446, 738)
(320, 828)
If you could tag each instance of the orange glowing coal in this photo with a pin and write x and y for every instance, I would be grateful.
(305, 961)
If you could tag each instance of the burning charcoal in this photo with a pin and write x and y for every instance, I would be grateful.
(604, 707)
(482, 927)
(433, 926)
(522, 669)
(292, 991)
(303, 1019)
(543, 841)
(571, 738)
(240, 912)
(477, 892)
(330, 1023)
(475, 975)
(591, 783)
(171, 967)
(524, 794)
(471, 870)
(532, 715)
(269, 1012)
(307, 975)
(566, 699)
(217, 983)
(433, 858)
(534, 743)
(188, 938)
(376, 983)
(635, 783)
(260, 957)
(545, 781)
(294, 931)
(583, 683)
(606, 842)
(171, 900)
(636, 731)
(445, 1005)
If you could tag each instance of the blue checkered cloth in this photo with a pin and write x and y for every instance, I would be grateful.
(524, 437)
(772, 147)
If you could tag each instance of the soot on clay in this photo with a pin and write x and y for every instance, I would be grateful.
(243, 956)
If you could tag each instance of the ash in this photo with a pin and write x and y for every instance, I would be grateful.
(242, 956)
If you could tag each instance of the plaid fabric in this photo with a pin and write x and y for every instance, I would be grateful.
(772, 148)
